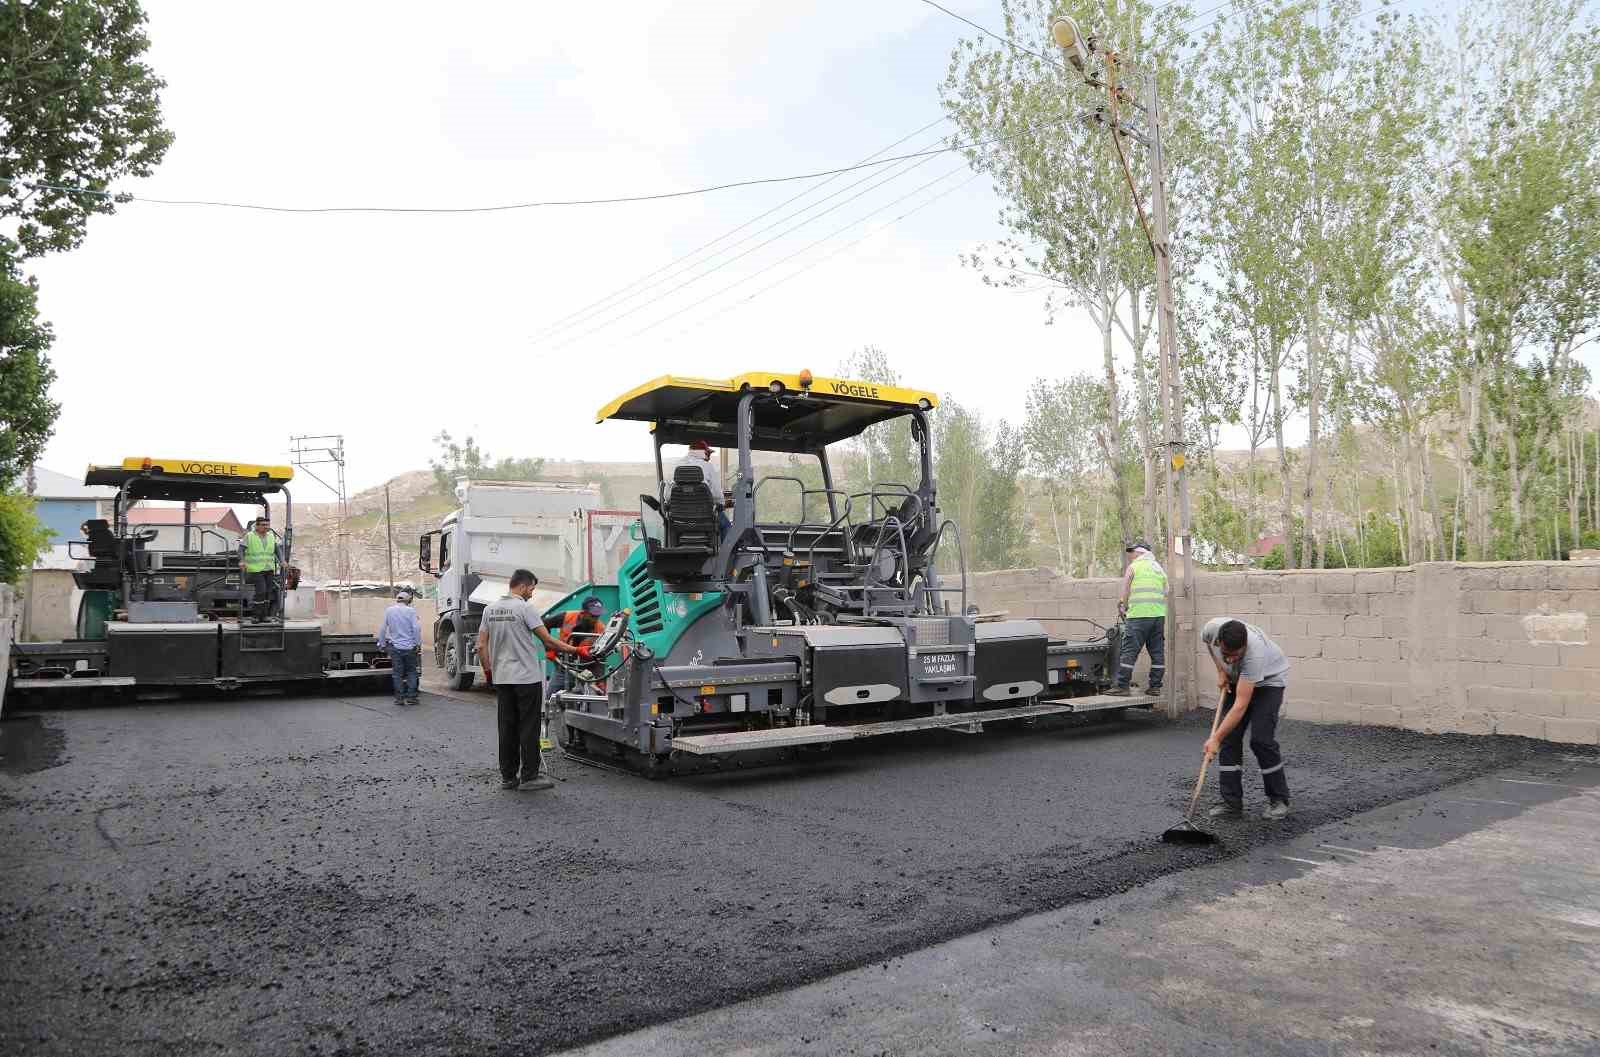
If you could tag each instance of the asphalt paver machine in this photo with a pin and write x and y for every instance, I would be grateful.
(849, 619)
(156, 616)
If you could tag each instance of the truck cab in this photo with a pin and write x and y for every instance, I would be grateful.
(500, 527)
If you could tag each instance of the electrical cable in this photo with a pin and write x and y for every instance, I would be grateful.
(572, 316)
(783, 260)
(719, 266)
(507, 207)
(612, 321)
(825, 258)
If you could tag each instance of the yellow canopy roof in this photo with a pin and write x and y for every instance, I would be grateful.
(191, 478)
(788, 416)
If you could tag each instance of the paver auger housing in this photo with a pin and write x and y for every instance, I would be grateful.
(847, 619)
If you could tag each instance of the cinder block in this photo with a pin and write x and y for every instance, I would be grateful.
(1405, 581)
(1574, 680)
(1244, 607)
(1472, 673)
(1397, 628)
(1364, 627)
(1275, 603)
(1574, 576)
(1380, 717)
(1492, 602)
(1510, 676)
(1581, 656)
(1426, 721)
(1340, 649)
(1471, 722)
(1305, 668)
(1377, 650)
(1469, 624)
(1297, 648)
(1290, 624)
(1480, 579)
(1335, 583)
(1489, 651)
(1534, 654)
(1572, 731)
(1298, 583)
(1371, 694)
(1525, 578)
(1340, 713)
(1527, 702)
(1344, 605)
(1580, 704)
(1374, 583)
(1394, 605)
(1325, 691)
(1402, 696)
(1518, 725)
(1262, 584)
(1325, 624)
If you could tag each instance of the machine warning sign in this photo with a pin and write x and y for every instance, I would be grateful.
(940, 664)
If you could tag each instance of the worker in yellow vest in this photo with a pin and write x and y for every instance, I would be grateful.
(1144, 625)
(261, 562)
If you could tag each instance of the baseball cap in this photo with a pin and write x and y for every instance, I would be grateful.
(700, 445)
(1137, 545)
(593, 605)
(402, 595)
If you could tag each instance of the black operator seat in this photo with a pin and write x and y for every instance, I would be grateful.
(691, 513)
(106, 551)
(912, 517)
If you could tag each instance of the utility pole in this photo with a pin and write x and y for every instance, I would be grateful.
(1077, 49)
(388, 532)
(1179, 631)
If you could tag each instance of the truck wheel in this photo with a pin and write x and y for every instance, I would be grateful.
(457, 679)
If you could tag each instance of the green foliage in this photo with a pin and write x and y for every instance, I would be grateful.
(78, 109)
(26, 410)
(23, 537)
(465, 459)
(1000, 535)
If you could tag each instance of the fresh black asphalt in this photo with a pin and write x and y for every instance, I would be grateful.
(338, 876)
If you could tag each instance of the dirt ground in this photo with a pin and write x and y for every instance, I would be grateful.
(335, 875)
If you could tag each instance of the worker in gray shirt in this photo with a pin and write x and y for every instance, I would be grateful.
(510, 658)
(1252, 673)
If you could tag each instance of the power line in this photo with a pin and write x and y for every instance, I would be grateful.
(830, 256)
(784, 260)
(738, 257)
(585, 311)
(508, 207)
(1007, 41)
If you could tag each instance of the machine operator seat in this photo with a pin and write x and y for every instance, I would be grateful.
(690, 520)
(913, 522)
(107, 551)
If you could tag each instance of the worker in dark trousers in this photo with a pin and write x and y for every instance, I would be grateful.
(1144, 624)
(510, 658)
(1253, 673)
(260, 559)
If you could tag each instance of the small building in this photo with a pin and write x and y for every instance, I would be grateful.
(64, 503)
(212, 529)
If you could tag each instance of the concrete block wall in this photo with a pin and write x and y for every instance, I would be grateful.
(1511, 647)
(7, 629)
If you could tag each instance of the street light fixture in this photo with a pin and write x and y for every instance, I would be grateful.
(1065, 32)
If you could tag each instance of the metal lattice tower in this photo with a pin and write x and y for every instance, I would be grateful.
(327, 450)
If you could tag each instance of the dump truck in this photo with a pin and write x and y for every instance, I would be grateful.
(502, 526)
(842, 616)
(167, 618)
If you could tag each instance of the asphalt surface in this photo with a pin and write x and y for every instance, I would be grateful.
(335, 875)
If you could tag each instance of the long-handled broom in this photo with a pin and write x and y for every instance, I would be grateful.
(1186, 832)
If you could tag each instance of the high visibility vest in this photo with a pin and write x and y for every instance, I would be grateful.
(1147, 596)
(260, 552)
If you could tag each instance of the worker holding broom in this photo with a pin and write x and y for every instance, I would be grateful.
(1252, 673)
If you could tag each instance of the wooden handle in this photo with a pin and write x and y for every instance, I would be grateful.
(1205, 762)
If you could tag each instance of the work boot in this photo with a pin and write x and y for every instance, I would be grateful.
(538, 782)
(1276, 809)
(1226, 809)
(1119, 691)
(509, 783)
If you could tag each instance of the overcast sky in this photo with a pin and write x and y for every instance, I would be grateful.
(185, 330)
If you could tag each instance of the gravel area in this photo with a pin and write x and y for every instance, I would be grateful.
(338, 876)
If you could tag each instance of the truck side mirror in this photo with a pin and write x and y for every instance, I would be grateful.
(425, 553)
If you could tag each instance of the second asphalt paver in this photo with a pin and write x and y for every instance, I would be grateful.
(343, 876)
